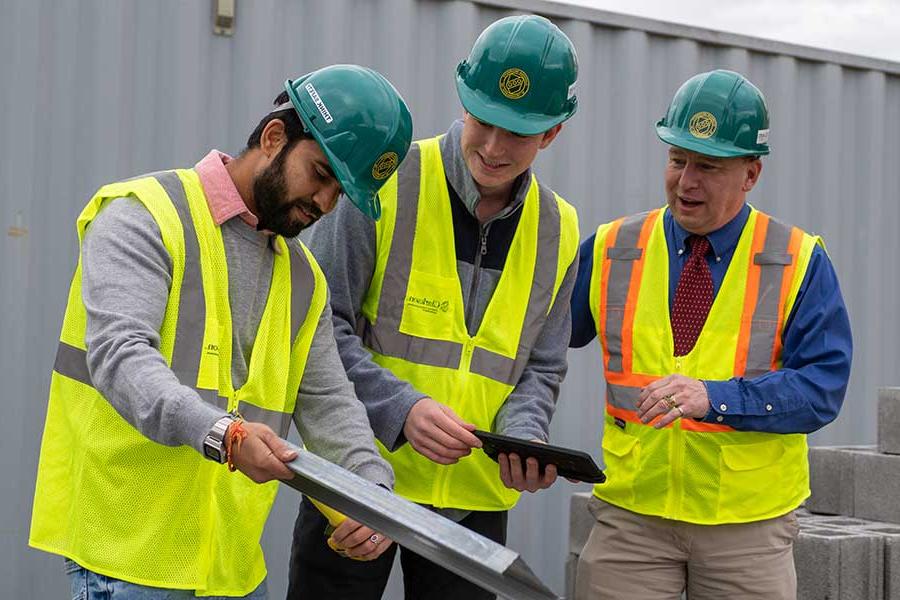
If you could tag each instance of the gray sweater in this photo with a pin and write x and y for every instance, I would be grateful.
(127, 272)
(344, 244)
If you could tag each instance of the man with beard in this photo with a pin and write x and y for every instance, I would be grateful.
(194, 333)
(452, 311)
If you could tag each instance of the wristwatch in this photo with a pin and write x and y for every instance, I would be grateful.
(214, 442)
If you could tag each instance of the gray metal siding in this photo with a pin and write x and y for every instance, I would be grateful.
(98, 90)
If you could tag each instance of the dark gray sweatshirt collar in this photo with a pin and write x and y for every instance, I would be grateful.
(461, 180)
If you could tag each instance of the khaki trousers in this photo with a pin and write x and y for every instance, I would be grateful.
(638, 557)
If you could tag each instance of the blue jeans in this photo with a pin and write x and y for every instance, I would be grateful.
(87, 585)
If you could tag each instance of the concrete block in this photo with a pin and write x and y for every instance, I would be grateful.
(876, 493)
(580, 521)
(837, 564)
(834, 522)
(889, 420)
(890, 535)
(831, 479)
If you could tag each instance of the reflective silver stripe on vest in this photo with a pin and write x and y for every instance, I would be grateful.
(399, 262)
(385, 336)
(763, 328)
(188, 346)
(72, 362)
(621, 257)
(280, 422)
(212, 397)
(303, 284)
(622, 396)
(423, 351)
(501, 368)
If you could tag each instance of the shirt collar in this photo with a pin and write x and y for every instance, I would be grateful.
(722, 240)
(224, 200)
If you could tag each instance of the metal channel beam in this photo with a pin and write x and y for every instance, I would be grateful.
(482, 561)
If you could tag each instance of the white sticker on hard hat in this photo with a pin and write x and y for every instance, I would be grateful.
(762, 136)
(323, 110)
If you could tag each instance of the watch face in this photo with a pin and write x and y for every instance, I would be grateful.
(211, 451)
(214, 442)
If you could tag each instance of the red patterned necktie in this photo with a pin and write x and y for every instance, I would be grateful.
(693, 297)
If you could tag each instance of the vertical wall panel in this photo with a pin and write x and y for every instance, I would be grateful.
(97, 90)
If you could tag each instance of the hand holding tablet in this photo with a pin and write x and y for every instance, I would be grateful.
(573, 464)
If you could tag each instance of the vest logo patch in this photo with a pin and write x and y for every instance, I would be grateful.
(429, 305)
(514, 83)
(212, 349)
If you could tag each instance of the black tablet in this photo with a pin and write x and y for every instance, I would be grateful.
(573, 464)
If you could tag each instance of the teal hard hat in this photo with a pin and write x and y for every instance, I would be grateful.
(361, 123)
(520, 75)
(718, 113)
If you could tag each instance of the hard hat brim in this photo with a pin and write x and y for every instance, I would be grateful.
(706, 147)
(364, 199)
(482, 108)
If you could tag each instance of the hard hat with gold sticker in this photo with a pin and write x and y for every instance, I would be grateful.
(718, 113)
(361, 123)
(520, 75)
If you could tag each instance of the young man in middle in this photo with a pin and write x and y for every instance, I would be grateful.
(451, 313)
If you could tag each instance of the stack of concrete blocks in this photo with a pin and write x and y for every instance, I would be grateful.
(846, 558)
(849, 542)
(849, 545)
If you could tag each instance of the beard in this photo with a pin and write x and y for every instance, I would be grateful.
(275, 210)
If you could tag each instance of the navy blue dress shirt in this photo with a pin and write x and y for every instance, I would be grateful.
(807, 392)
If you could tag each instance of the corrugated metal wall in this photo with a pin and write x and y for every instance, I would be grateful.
(96, 90)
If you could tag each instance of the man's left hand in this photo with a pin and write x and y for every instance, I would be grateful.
(673, 397)
(525, 477)
(354, 540)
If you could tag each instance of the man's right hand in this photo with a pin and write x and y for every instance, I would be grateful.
(437, 433)
(262, 454)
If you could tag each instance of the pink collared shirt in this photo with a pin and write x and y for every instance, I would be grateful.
(224, 200)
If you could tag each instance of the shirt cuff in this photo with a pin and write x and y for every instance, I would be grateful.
(731, 398)
(724, 401)
(393, 429)
(379, 474)
(525, 433)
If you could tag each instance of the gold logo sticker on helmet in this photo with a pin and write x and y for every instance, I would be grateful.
(703, 125)
(514, 83)
(384, 166)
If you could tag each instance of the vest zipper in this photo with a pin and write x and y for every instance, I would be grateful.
(676, 451)
(476, 276)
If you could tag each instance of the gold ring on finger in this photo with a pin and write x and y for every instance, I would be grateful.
(680, 412)
(669, 401)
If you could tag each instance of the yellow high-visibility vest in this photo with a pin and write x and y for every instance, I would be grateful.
(705, 473)
(414, 324)
(124, 506)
